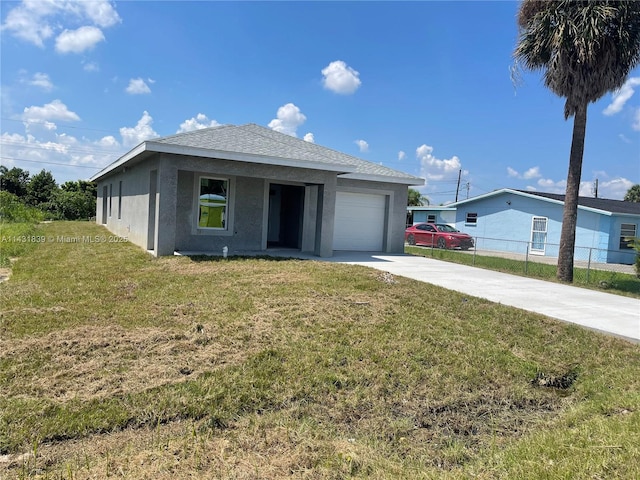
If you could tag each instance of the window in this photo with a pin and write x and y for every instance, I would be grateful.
(627, 232)
(431, 218)
(212, 203)
(538, 235)
(472, 218)
(110, 197)
(120, 200)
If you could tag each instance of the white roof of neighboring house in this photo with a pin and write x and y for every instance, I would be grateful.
(255, 144)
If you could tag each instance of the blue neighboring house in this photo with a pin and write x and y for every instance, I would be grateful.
(521, 221)
(431, 215)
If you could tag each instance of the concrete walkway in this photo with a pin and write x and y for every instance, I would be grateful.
(605, 312)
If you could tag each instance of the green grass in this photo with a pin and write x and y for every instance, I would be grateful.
(114, 363)
(16, 239)
(612, 282)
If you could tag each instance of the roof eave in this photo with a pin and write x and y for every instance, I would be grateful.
(410, 181)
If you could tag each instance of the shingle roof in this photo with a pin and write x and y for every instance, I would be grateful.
(252, 139)
(613, 206)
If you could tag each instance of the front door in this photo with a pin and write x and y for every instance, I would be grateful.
(286, 204)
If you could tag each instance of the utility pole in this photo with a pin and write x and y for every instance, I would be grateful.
(468, 186)
(458, 186)
(596, 188)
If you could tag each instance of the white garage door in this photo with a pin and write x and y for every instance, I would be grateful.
(359, 223)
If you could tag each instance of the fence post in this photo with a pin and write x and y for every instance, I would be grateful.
(526, 260)
(475, 249)
(589, 264)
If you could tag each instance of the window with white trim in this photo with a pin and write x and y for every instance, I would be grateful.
(213, 198)
(472, 218)
(628, 231)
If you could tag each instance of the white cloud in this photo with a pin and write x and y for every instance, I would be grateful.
(615, 188)
(636, 120)
(198, 122)
(401, 155)
(80, 40)
(101, 12)
(340, 78)
(132, 136)
(90, 67)
(137, 86)
(309, 138)
(41, 80)
(362, 146)
(621, 96)
(434, 168)
(288, 119)
(36, 21)
(55, 110)
(533, 172)
(550, 186)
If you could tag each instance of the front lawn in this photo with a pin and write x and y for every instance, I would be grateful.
(117, 364)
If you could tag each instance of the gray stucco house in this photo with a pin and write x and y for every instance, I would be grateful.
(517, 220)
(249, 188)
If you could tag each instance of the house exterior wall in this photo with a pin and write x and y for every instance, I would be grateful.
(442, 216)
(396, 208)
(128, 215)
(617, 255)
(504, 223)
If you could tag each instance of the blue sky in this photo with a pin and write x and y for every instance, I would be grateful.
(422, 87)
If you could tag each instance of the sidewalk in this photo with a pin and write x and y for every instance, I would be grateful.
(605, 312)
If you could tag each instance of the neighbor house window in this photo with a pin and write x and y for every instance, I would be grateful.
(212, 203)
(110, 197)
(431, 218)
(120, 200)
(627, 232)
(471, 218)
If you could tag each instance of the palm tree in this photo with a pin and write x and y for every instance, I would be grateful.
(586, 49)
(416, 199)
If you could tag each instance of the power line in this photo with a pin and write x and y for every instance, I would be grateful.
(49, 163)
(44, 122)
(72, 149)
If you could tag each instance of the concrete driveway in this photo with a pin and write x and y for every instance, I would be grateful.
(605, 312)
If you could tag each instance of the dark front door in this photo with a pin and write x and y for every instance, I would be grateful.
(286, 204)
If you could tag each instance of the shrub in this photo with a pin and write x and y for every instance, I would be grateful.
(12, 210)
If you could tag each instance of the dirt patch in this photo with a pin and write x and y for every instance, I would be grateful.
(5, 273)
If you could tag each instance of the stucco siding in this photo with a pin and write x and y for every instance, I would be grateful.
(129, 215)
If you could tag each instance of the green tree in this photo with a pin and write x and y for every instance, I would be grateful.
(585, 49)
(633, 194)
(14, 181)
(416, 199)
(72, 205)
(41, 188)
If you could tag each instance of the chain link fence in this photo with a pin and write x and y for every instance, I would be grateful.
(590, 264)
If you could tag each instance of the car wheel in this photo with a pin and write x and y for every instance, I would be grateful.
(411, 240)
(442, 243)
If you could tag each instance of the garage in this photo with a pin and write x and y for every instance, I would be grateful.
(359, 222)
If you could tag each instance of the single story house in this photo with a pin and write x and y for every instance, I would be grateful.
(249, 188)
(531, 222)
(429, 214)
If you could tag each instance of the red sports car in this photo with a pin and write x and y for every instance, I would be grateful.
(437, 235)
